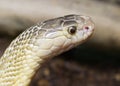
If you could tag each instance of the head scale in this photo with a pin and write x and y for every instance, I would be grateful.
(65, 32)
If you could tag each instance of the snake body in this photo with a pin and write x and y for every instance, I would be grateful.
(31, 48)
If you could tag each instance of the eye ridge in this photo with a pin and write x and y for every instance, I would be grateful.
(72, 30)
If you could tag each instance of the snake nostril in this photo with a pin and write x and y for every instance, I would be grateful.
(86, 28)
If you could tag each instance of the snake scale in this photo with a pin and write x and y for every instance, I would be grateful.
(30, 49)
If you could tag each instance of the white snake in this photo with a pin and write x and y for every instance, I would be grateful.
(45, 40)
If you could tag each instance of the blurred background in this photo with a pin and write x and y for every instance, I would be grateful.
(94, 63)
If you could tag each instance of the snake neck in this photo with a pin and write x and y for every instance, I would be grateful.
(21, 60)
(20, 67)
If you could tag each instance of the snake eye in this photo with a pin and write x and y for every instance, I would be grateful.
(72, 30)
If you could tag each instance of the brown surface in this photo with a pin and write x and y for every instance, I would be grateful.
(4, 42)
(59, 72)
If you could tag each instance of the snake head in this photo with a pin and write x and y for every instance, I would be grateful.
(78, 28)
(61, 34)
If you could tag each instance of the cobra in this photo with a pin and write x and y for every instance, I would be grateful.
(30, 49)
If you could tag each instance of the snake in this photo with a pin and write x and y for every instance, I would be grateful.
(47, 39)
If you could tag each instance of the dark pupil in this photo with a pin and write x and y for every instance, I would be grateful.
(72, 29)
